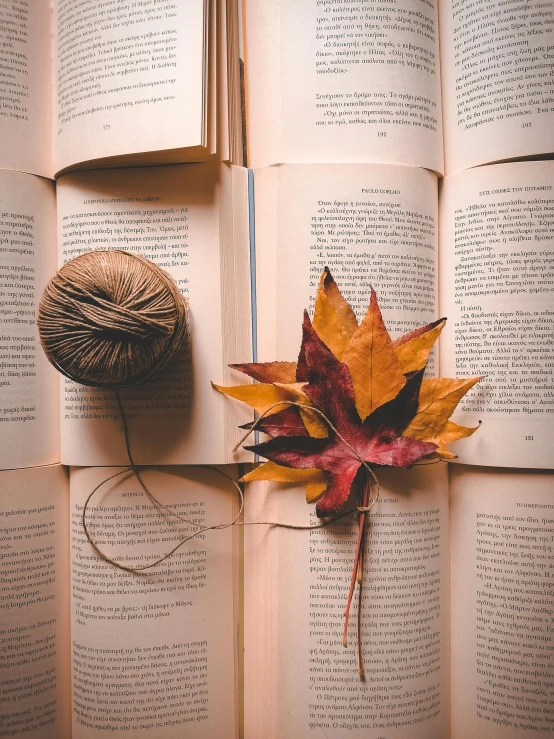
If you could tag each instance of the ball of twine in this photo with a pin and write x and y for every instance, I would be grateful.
(111, 319)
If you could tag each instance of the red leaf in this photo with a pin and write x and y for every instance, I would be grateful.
(377, 440)
(287, 422)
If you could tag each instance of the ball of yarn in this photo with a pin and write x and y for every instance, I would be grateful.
(111, 319)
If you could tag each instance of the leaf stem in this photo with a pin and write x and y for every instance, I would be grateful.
(358, 569)
(353, 579)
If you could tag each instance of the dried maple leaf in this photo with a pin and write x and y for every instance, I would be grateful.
(263, 397)
(334, 320)
(413, 349)
(353, 400)
(268, 371)
(451, 432)
(315, 480)
(377, 440)
(438, 398)
(373, 372)
(376, 373)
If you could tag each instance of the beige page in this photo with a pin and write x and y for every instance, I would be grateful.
(370, 224)
(26, 80)
(171, 215)
(129, 78)
(299, 678)
(29, 397)
(35, 644)
(497, 289)
(497, 84)
(154, 653)
(502, 676)
(343, 82)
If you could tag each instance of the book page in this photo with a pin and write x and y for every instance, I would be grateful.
(497, 84)
(344, 81)
(26, 80)
(170, 215)
(370, 224)
(29, 399)
(129, 77)
(497, 289)
(35, 684)
(300, 681)
(502, 560)
(154, 653)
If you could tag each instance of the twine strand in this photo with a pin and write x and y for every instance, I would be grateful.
(167, 512)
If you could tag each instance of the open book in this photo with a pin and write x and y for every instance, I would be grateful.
(247, 628)
(456, 567)
(90, 84)
(107, 651)
(439, 84)
(457, 610)
(481, 254)
(179, 216)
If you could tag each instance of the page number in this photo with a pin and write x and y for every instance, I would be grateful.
(106, 126)
(529, 438)
(526, 125)
(381, 134)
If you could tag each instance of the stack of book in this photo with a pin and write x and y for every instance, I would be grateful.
(407, 146)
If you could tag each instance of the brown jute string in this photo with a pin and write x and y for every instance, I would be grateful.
(111, 319)
(167, 512)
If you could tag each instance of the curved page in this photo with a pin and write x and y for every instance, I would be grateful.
(496, 65)
(497, 289)
(153, 653)
(502, 678)
(299, 678)
(174, 216)
(129, 78)
(29, 395)
(26, 80)
(35, 642)
(372, 225)
(343, 82)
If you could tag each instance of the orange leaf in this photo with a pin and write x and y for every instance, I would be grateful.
(334, 320)
(413, 353)
(278, 473)
(451, 432)
(260, 396)
(314, 490)
(437, 400)
(268, 371)
(376, 373)
(314, 479)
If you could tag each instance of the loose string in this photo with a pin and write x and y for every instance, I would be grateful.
(167, 512)
(371, 473)
(366, 502)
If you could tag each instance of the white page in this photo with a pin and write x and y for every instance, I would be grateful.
(129, 77)
(497, 289)
(171, 215)
(35, 643)
(502, 677)
(370, 224)
(299, 678)
(26, 79)
(29, 399)
(166, 635)
(343, 82)
(498, 95)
